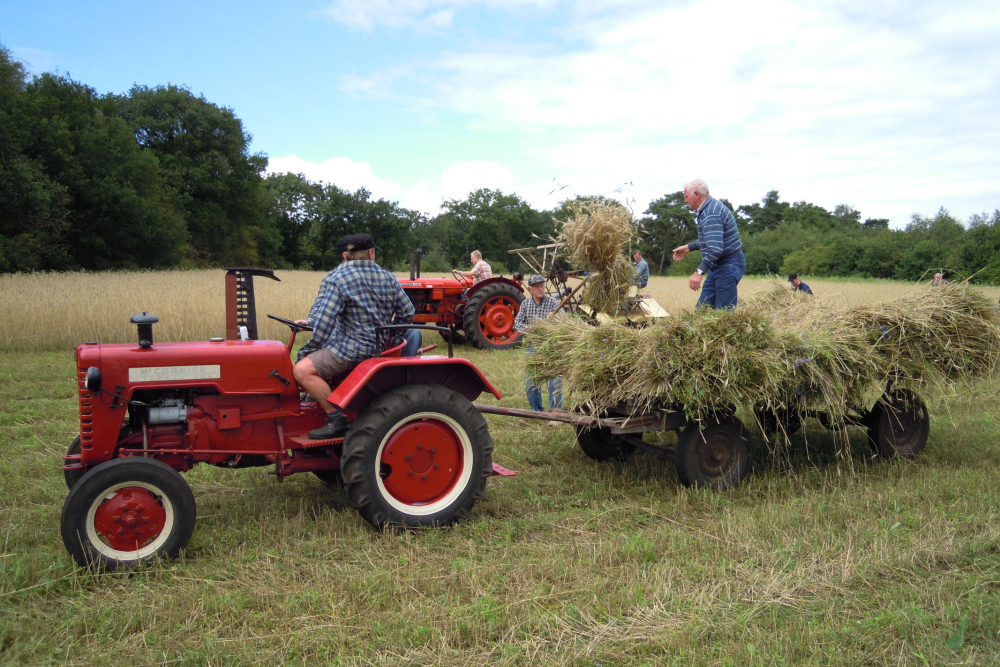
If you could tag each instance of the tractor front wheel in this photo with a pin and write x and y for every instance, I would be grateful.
(127, 511)
(898, 425)
(717, 456)
(489, 317)
(420, 455)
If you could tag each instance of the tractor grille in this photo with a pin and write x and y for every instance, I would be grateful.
(86, 414)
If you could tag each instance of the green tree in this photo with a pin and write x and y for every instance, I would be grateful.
(203, 152)
(671, 224)
(291, 197)
(491, 222)
(120, 212)
(766, 215)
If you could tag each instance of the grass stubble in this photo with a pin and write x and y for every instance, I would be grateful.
(570, 563)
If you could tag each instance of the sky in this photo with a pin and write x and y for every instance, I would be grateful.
(889, 106)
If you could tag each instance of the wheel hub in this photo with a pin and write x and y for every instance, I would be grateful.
(497, 317)
(716, 456)
(129, 518)
(421, 462)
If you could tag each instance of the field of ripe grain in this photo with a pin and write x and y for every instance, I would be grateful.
(58, 311)
(816, 559)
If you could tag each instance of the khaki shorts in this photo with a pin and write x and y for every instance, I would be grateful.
(329, 365)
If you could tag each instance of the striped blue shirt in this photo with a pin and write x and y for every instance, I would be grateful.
(718, 235)
(353, 299)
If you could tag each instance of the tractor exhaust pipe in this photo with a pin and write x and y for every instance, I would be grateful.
(415, 256)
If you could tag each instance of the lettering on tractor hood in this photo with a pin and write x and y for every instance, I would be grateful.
(161, 373)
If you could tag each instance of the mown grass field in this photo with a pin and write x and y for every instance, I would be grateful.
(815, 560)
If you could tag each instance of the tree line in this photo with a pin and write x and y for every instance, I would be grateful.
(160, 177)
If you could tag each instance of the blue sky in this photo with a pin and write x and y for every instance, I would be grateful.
(888, 106)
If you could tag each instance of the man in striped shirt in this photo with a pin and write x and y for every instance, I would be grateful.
(721, 249)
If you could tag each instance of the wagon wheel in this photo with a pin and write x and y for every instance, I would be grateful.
(489, 317)
(418, 456)
(898, 425)
(127, 511)
(716, 456)
(601, 444)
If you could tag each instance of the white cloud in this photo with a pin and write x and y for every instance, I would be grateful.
(36, 61)
(888, 106)
(465, 177)
(456, 182)
(417, 14)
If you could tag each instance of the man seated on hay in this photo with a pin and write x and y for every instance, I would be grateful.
(721, 249)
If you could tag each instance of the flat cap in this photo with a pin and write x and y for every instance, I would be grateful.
(535, 279)
(353, 242)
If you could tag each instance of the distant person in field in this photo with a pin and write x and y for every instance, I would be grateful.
(721, 249)
(797, 284)
(641, 270)
(538, 307)
(480, 269)
(353, 299)
(939, 280)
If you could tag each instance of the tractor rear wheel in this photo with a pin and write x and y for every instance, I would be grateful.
(898, 425)
(601, 444)
(127, 511)
(419, 456)
(489, 317)
(717, 455)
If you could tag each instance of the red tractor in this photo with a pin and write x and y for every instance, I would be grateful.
(481, 314)
(418, 453)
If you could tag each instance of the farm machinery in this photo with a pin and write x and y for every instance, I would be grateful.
(482, 314)
(417, 454)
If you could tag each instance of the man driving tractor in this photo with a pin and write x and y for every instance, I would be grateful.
(480, 269)
(354, 299)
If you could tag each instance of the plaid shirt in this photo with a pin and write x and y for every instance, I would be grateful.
(353, 299)
(531, 311)
(481, 271)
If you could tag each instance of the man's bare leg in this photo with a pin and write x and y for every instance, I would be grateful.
(305, 374)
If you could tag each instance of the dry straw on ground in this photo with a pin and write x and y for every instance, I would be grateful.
(779, 349)
(595, 234)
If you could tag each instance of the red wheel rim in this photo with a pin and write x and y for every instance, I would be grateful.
(129, 518)
(421, 462)
(496, 319)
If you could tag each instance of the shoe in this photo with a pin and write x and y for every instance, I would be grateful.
(336, 425)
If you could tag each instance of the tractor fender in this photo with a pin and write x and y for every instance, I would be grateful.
(492, 281)
(374, 377)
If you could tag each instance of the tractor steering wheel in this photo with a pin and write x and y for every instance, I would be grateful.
(294, 326)
(462, 279)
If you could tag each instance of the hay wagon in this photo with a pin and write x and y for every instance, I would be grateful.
(715, 451)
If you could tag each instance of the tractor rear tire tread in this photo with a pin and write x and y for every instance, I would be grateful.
(362, 442)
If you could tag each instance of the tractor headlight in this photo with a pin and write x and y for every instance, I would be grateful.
(94, 379)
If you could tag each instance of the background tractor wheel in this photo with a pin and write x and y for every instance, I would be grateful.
(898, 425)
(601, 444)
(127, 511)
(420, 455)
(717, 456)
(489, 315)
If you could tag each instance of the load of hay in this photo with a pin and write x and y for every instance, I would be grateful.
(595, 233)
(778, 349)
